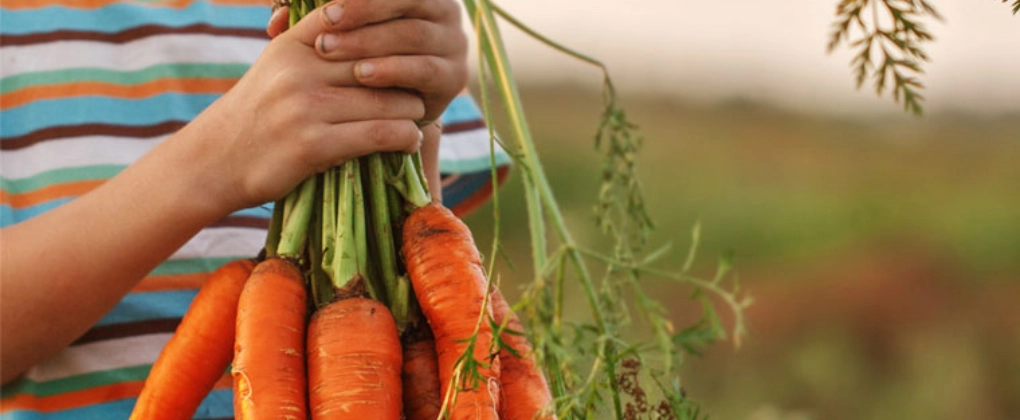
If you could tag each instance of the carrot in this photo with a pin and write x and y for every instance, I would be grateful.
(269, 363)
(449, 282)
(199, 351)
(354, 361)
(422, 396)
(525, 391)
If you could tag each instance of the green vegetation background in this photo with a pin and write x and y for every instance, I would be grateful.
(883, 253)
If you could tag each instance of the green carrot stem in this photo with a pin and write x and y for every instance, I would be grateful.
(415, 181)
(385, 252)
(296, 13)
(404, 179)
(350, 249)
(322, 254)
(330, 203)
(275, 227)
(397, 215)
(610, 89)
(361, 232)
(343, 265)
(498, 64)
(297, 213)
(498, 61)
(403, 306)
(319, 282)
(396, 212)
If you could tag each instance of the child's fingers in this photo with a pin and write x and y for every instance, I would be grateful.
(429, 75)
(397, 37)
(332, 74)
(366, 137)
(341, 105)
(347, 15)
(362, 121)
(358, 13)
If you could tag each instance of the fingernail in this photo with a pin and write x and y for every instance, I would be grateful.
(332, 13)
(421, 138)
(328, 42)
(364, 70)
(276, 13)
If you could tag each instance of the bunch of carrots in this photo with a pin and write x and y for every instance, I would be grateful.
(369, 301)
(334, 323)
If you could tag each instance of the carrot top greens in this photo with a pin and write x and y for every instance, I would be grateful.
(592, 363)
(594, 367)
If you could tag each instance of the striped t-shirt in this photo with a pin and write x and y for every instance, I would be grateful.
(86, 88)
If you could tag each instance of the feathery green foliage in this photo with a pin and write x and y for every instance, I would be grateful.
(1016, 6)
(888, 36)
(600, 366)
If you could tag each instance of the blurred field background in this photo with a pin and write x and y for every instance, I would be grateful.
(883, 250)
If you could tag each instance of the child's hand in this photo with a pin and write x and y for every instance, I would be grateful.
(411, 44)
(291, 115)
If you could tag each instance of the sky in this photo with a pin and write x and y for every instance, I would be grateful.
(764, 50)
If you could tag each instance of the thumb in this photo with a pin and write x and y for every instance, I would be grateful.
(432, 133)
(278, 21)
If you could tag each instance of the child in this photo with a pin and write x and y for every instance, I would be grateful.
(141, 139)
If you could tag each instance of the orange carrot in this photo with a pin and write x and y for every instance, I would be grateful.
(269, 354)
(354, 361)
(525, 391)
(449, 282)
(422, 396)
(199, 351)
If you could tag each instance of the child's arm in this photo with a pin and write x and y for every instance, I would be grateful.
(292, 114)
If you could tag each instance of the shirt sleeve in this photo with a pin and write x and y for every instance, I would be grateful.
(466, 157)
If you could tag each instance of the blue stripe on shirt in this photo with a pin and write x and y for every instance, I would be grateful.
(464, 187)
(147, 306)
(462, 109)
(121, 16)
(37, 115)
(10, 216)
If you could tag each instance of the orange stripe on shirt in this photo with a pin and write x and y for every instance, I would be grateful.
(85, 397)
(72, 399)
(144, 90)
(95, 4)
(171, 282)
(52, 192)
